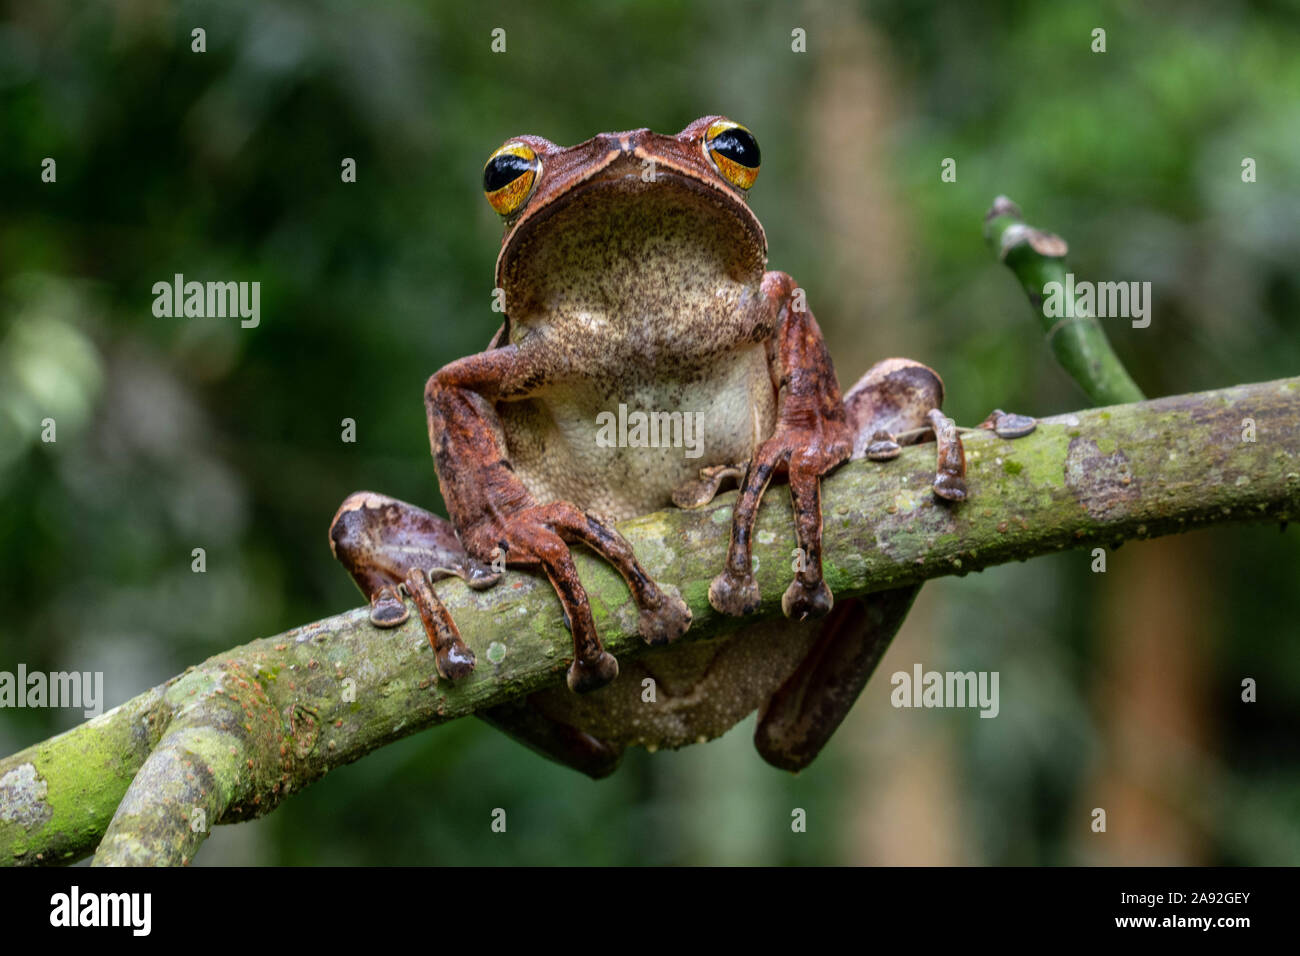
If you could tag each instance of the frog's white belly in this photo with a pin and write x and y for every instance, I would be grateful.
(620, 451)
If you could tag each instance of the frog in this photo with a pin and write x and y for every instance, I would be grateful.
(634, 273)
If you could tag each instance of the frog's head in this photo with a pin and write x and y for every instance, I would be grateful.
(619, 201)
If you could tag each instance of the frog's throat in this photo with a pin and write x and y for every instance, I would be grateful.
(666, 187)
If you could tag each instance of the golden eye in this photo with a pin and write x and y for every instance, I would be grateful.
(733, 151)
(510, 175)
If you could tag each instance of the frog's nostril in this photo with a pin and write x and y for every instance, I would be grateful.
(626, 142)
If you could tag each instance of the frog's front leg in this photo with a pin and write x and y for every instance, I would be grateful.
(810, 438)
(814, 433)
(494, 511)
(389, 546)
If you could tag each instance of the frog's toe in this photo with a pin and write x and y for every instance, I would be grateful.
(698, 493)
(950, 487)
(693, 494)
(883, 447)
(478, 575)
(950, 472)
(455, 661)
(585, 677)
(665, 623)
(1009, 424)
(801, 602)
(734, 594)
(387, 610)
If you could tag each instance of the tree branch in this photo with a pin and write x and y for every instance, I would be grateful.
(1078, 342)
(231, 738)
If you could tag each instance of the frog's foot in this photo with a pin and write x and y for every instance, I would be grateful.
(950, 476)
(808, 596)
(735, 593)
(883, 447)
(455, 660)
(804, 453)
(698, 493)
(387, 609)
(897, 403)
(950, 479)
(390, 547)
(539, 536)
(1008, 424)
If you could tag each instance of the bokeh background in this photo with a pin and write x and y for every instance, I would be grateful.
(1119, 690)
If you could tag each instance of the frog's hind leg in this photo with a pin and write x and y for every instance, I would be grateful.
(390, 547)
(801, 716)
(555, 739)
(896, 402)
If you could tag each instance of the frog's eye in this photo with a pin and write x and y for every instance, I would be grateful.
(733, 151)
(510, 175)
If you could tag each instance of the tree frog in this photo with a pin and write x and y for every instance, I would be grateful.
(635, 281)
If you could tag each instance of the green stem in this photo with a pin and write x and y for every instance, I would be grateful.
(1078, 342)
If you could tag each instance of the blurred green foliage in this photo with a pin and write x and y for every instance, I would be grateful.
(183, 433)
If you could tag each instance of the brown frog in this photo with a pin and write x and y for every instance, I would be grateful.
(634, 278)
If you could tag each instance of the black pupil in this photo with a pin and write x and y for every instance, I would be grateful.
(504, 170)
(738, 146)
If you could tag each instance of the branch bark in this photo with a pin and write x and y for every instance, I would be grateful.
(231, 738)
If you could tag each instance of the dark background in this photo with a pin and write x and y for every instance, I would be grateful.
(1119, 690)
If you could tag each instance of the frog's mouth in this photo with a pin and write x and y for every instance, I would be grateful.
(616, 218)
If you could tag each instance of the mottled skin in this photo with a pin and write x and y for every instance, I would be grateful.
(648, 291)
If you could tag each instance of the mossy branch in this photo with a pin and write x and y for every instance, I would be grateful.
(232, 737)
